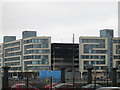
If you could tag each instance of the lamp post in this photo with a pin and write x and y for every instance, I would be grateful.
(107, 74)
(73, 64)
(53, 65)
(95, 74)
(27, 79)
(51, 78)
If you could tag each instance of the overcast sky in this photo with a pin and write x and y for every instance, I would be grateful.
(60, 20)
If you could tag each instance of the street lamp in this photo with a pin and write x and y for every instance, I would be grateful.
(53, 64)
(50, 78)
(73, 64)
(26, 77)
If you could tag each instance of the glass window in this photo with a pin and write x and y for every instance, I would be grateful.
(37, 52)
(116, 41)
(12, 64)
(116, 57)
(28, 41)
(12, 59)
(12, 54)
(93, 40)
(12, 44)
(36, 57)
(38, 67)
(93, 62)
(15, 68)
(86, 62)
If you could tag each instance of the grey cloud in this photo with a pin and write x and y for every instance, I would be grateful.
(59, 20)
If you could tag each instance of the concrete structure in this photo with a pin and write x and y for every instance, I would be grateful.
(100, 52)
(0, 81)
(29, 54)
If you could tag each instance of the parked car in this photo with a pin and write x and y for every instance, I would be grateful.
(15, 77)
(22, 87)
(109, 88)
(63, 86)
(50, 86)
(91, 86)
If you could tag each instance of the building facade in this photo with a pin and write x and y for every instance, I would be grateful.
(33, 53)
(100, 53)
(1, 55)
(116, 55)
(62, 55)
(29, 54)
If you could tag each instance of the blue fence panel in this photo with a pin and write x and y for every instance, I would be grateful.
(56, 75)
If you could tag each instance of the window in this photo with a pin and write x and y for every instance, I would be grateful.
(93, 62)
(116, 57)
(93, 40)
(12, 44)
(89, 48)
(28, 41)
(12, 49)
(86, 62)
(98, 62)
(85, 56)
(38, 67)
(12, 59)
(100, 67)
(12, 64)
(12, 54)
(37, 51)
(116, 41)
(43, 58)
(15, 68)
(117, 51)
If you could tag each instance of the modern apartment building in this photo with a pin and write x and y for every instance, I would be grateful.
(102, 53)
(116, 53)
(62, 55)
(29, 54)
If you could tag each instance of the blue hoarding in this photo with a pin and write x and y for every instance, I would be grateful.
(48, 74)
(55, 75)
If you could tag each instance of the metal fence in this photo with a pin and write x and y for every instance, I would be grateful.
(41, 82)
(38, 82)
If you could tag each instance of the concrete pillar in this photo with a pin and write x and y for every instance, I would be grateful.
(89, 76)
(12, 74)
(114, 77)
(0, 80)
(5, 78)
(62, 75)
(81, 75)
